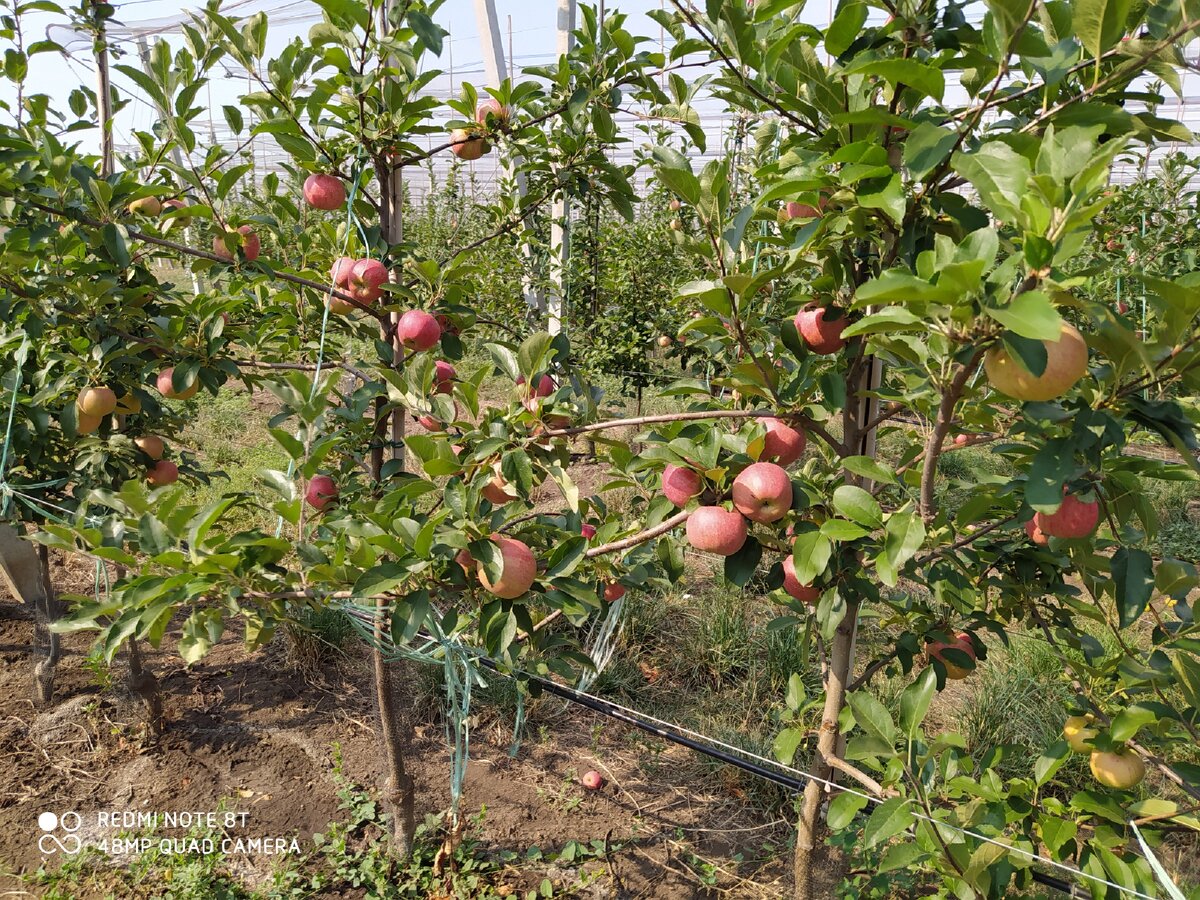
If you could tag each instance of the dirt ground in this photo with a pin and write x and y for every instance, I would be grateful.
(246, 729)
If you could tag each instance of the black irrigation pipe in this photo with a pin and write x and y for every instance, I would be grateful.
(674, 736)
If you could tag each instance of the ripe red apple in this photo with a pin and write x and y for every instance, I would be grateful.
(85, 424)
(715, 529)
(593, 780)
(443, 377)
(340, 307)
(805, 593)
(1122, 307)
(1112, 245)
(176, 203)
(821, 328)
(146, 206)
(1074, 519)
(162, 473)
(498, 490)
(680, 485)
(588, 530)
(166, 388)
(418, 330)
(517, 571)
(1119, 769)
(322, 491)
(1066, 363)
(493, 109)
(962, 641)
(251, 245)
(323, 191)
(365, 279)
(467, 145)
(762, 492)
(544, 387)
(96, 401)
(783, 443)
(961, 440)
(447, 325)
(613, 591)
(1036, 534)
(464, 559)
(150, 444)
(794, 210)
(340, 273)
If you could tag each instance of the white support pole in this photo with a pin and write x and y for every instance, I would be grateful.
(560, 216)
(495, 70)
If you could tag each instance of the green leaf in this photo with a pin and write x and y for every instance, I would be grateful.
(872, 716)
(1050, 761)
(999, 174)
(889, 819)
(1130, 720)
(842, 810)
(845, 28)
(901, 856)
(920, 76)
(868, 468)
(810, 553)
(786, 744)
(915, 700)
(1056, 833)
(739, 568)
(1133, 574)
(1030, 315)
(903, 536)
(858, 506)
(1099, 24)
(430, 34)
(114, 243)
(887, 321)
(380, 579)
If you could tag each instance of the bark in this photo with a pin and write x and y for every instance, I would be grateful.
(46, 610)
(144, 685)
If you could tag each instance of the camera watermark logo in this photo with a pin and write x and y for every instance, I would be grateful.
(58, 833)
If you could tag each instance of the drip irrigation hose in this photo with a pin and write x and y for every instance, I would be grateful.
(666, 733)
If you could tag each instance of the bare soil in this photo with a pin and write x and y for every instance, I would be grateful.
(245, 728)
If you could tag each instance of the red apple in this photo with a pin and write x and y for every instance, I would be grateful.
(183, 221)
(961, 440)
(85, 424)
(588, 530)
(251, 245)
(783, 443)
(593, 780)
(545, 386)
(150, 444)
(613, 592)
(821, 328)
(464, 559)
(794, 210)
(418, 330)
(165, 387)
(365, 279)
(962, 641)
(805, 593)
(340, 273)
(96, 401)
(1035, 534)
(517, 570)
(1066, 363)
(322, 491)
(467, 145)
(762, 492)
(323, 191)
(447, 324)
(163, 472)
(493, 109)
(679, 485)
(443, 377)
(715, 529)
(1074, 519)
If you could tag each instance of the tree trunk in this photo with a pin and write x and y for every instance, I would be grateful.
(142, 684)
(809, 828)
(46, 610)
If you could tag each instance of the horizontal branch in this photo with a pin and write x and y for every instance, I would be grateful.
(641, 537)
(665, 417)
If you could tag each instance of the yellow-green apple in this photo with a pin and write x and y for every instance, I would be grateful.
(146, 206)
(762, 492)
(962, 641)
(150, 444)
(518, 568)
(1120, 769)
(1066, 363)
(821, 328)
(162, 473)
(128, 404)
(166, 386)
(323, 191)
(681, 484)
(783, 443)
(715, 529)
(467, 145)
(805, 593)
(1079, 733)
(96, 401)
(443, 377)
(1075, 518)
(321, 492)
(418, 330)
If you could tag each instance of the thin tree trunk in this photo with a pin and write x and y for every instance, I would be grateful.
(144, 685)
